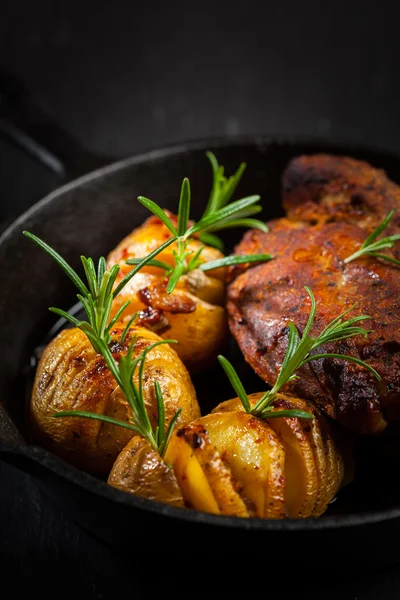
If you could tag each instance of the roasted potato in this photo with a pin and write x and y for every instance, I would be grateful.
(140, 470)
(71, 376)
(232, 463)
(193, 313)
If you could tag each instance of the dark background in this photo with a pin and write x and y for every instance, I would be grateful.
(115, 78)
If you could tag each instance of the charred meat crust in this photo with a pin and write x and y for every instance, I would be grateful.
(338, 188)
(309, 249)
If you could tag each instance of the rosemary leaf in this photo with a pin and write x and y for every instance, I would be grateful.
(222, 188)
(291, 413)
(98, 417)
(160, 433)
(64, 315)
(221, 214)
(343, 357)
(385, 257)
(250, 223)
(140, 265)
(235, 382)
(212, 240)
(156, 210)
(127, 327)
(117, 316)
(76, 280)
(151, 263)
(297, 355)
(371, 245)
(184, 207)
(175, 276)
(229, 261)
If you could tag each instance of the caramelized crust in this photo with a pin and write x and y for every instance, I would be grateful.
(233, 463)
(325, 226)
(193, 313)
(339, 188)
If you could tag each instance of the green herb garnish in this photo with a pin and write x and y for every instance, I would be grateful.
(123, 373)
(96, 297)
(298, 353)
(371, 247)
(220, 213)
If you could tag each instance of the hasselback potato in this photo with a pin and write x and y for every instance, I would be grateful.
(193, 313)
(72, 376)
(232, 463)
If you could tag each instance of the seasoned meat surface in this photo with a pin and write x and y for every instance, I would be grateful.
(310, 252)
(336, 188)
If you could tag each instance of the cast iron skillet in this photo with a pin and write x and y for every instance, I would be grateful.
(89, 216)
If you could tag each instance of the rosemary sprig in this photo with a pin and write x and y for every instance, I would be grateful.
(298, 353)
(123, 373)
(96, 297)
(220, 213)
(372, 248)
(194, 263)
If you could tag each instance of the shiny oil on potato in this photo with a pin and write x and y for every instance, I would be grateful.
(71, 376)
(233, 463)
(193, 313)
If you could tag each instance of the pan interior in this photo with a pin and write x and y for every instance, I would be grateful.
(90, 217)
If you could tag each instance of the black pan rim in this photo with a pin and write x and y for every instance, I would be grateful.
(198, 144)
(94, 485)
(84, 480)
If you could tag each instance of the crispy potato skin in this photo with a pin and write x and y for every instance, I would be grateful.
(314, 461)
(193, 314)
(309, 249)
(71, 376)
(232, 463)
(141, 471)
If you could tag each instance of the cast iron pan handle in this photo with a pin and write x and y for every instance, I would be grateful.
(26, 125)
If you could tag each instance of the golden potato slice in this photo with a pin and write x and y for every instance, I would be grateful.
(312, 429)
(141, 471)
(301, 485)
(300, 468)
(255, 456)
(190, 476)
(205, 480)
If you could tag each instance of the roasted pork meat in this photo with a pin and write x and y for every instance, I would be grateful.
(332, 204)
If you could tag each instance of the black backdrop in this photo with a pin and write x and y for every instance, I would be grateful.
(119, 77)
(123, 75)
